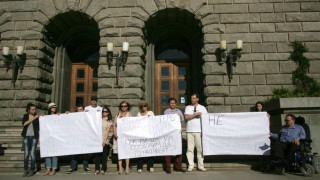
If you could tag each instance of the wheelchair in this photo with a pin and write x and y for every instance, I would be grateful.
(305, 161)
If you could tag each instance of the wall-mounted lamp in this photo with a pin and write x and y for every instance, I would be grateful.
(232, 56)
(121, 60)
(14, 62)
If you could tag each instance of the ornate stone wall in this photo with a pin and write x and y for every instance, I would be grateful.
(265, 26)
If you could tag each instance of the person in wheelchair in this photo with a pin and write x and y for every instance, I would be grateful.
(287, 141)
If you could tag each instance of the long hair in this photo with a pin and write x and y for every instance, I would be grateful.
(49, 111)
(129, 106)
(143, 103)
(108, 109)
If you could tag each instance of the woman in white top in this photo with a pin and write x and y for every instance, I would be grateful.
(124, 109)
(144, 109)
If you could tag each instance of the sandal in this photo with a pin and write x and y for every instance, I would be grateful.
(101, 173)
(97, 172)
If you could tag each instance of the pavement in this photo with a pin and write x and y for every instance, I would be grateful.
(195, 175)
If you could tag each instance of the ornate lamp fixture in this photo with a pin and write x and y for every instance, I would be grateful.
(121, 60)
(230, 57)
(14, 62)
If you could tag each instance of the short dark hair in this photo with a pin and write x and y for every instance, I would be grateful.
(172, 99)
(129, 106)
(80, 106)
(195, 94)
(29, 105)
(292, 116)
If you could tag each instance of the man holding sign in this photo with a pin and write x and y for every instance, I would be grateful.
(193, 114)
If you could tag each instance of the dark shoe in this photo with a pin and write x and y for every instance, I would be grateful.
(70, 171)
(87, 170)
(168, 171)
(25, 173)
(180, 170)
(30, 173)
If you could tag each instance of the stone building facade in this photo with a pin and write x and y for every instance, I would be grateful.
(57, 34)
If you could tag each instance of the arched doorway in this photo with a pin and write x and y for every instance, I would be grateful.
(75, 38)
(174, 59)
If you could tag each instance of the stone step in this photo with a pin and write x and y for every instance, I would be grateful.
(8, 140)
(10, 135)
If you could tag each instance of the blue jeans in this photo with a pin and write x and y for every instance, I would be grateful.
(52, 162)
(30, 146)
(74, 161)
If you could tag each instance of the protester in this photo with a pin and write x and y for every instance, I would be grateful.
(30, 134)
(51, 162)
(124, 109)
(193, 114)
(93, 106)
(144, 109)
(287, 141)
(74, 160)
(178, 158)
(102, 157)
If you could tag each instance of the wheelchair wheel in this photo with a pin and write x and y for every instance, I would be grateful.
(307, 170)
(316, 164)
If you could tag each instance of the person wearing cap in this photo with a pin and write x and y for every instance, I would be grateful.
(93, 106)
(51, 162)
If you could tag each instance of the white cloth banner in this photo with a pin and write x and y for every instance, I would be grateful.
(149, 136)
(73, 133)
(235, 133)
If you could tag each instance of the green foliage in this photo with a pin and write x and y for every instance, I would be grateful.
(305, 86)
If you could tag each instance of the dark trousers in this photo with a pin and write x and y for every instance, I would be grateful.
(101, 157)
(177, 164)
(285, 150)
(149, 165)
(74, 161)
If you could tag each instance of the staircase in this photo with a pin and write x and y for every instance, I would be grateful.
(11, 156)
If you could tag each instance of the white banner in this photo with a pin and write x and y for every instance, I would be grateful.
(149, 136)
(73, 133)
(235, 134)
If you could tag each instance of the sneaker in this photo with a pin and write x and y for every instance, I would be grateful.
(139, 170)
(70, 171)
(25, 173)
(87, 170)
(189, 169)
(202, 169)
(151, 170)
(30, 173)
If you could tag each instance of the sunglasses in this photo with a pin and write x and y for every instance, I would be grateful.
(124, 106)
(144, 106)
(195, 109)
(105, 111)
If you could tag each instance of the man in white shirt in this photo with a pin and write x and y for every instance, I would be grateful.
(93, 106)
(193, 114)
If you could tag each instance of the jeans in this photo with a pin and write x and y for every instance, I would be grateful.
(30, 144)
(194, 139)
(52, 162)
(74, 161)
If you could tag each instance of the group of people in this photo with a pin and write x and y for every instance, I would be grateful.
(287, 139)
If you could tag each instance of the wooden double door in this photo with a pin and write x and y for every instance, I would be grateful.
(172, 81)
(84, 84)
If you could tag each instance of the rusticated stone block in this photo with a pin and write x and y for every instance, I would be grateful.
(27, 94)
(134, 70)
(106, 82)
(287, 67)
(276, 56)
(214, 68)
(313, 46)
(287, 7)
(246, 37)
(241, 108)
(108, 93)
(214, 29)
(266, 90)
(242, 68)
(252, 79)
(288, 27)
(84, 4)
(161, 4)
(219, 109)
(264, 27)
(214, 2)
(7, 94)
(272, 17)
(139, 13)
(29, 73)
(127, 32)
(213, 80)
(247, 90)
(305, 36)
(194, 6)
(22, 16)
(96, 6)
(252, 57)
(212, 38)
(252, 99)
(128, 93)
(283, 47)
(216, 91)
(6, 114)
(314, 67)
(106, 23)
(34, 26)
(264, 48)
(231, 82)
(311, 26)
(149, 6)
(4, 104)
(40, 18)
(280, 79)
(215, 100)
(232, 100)
(9, 26)
(230, 9)
(312, 56)
(275, 37)
(210, 19)
(237, 28)
(18, 114)
(265, 67)
(260, 8)
(136, 51)
(132, 82)
(210, 58)
(21, 25)
(301, 17)
(310, 7)
(110, 32)
(123, 3)
(10, 35)
(25, 6)
(239, 18)
(5, 84)
(47, 8)
(30, 35)
(204, 11)
(135, 22)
